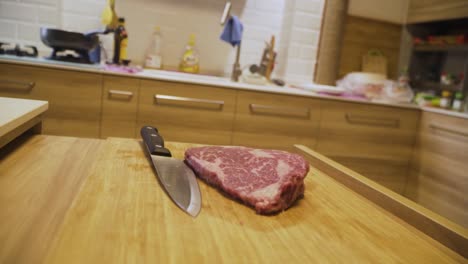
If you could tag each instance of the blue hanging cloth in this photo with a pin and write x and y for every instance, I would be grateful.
(232, 32)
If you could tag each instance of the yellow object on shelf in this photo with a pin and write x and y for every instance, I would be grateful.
(190, 61)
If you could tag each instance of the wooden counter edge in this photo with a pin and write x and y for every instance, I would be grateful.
(34, 125)
(435, 226)
(28, 115)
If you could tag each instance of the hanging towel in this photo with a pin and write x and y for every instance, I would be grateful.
(232, 32)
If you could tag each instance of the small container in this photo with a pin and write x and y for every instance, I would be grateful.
(458, 102)
(153, 57)
(445, 100)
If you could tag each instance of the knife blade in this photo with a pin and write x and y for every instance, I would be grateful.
(177, 179)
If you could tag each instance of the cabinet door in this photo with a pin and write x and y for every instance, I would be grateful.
(74, 97)
(436, 10)
(438, 178)
(275, 121)
(187, 113)
(375, 141)
(119, 107)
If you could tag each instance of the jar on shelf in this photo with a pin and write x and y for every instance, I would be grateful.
(445, 100)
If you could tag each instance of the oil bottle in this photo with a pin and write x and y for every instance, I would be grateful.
(120, 42)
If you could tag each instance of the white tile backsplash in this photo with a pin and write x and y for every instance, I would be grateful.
(74, 22)
(43, 2)
(308, 52)
(307, 21)
(18, 11)
(275, 6)
(29, 32)
(295, 23)
(304, 36)
(49, 15)
(309, 6)
(82, 7)
(300, 66)
(8, 30)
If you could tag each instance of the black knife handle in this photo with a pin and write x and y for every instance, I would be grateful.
(154, 142)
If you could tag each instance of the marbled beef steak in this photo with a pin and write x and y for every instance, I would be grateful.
(268, 180)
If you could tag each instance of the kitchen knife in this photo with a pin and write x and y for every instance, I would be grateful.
(175, 176)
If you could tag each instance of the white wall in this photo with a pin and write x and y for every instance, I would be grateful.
(295, 23)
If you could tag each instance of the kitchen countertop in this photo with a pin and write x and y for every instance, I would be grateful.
(14, 113)
(186, 78)
(445, 112)
(211, 81)
(98, 201)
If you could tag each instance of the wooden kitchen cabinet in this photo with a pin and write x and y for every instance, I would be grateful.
(119, 107)
(74, 97)
(375, 141)
(275, 121)
(438, 179)
(187, 112)
(435, 10)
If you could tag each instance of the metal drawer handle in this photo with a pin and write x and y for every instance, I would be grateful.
(24, 86)
(372, 121)
(280, 111)
(449, 130)
(127, 94)
(191, 102)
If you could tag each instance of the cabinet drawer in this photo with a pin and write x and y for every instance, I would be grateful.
(275, 121)
(119, 107)
(187, 113)
(367, 131)
(74, 97)
(375, 141)
(439, 178)
(18, 82)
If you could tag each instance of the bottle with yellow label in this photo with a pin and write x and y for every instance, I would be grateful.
(190, 61)
(120, 42)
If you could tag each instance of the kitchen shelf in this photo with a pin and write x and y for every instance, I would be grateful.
(431, 85)
(441, 48)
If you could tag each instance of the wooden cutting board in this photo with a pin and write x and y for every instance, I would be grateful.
(122, 215)
(40, 176)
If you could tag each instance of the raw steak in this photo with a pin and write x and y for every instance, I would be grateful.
(268, 180)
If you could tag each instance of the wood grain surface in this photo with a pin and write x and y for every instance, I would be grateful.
(330, 43)
(374, 141)
(39, 178)
(438, 227)
(434, 10)
(186, 120)
(74, 97)
(119, 107)
(361, 35)
(15, 112)
(275, 121)
(122, 215)
(438, 178)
